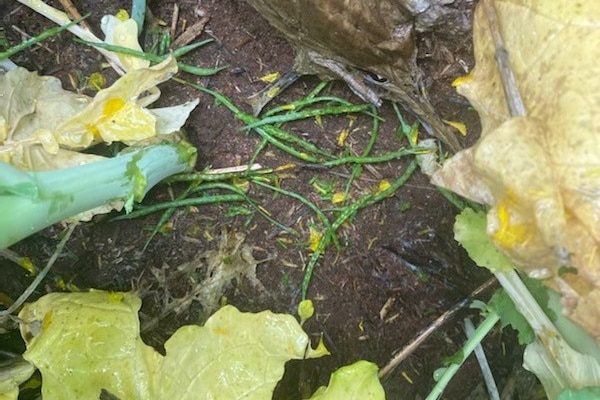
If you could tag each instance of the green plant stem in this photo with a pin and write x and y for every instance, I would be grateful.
(196, 201)
(348, 212)
(324, 220)
(155, 58)
(48, 33)
(272, 134)
(294, 116)
(478, 336)
(371, 160)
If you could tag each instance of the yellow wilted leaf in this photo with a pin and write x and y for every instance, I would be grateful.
(90, 341)
(122, 31)
(538, 172)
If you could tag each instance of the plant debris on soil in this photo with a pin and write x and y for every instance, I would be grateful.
(398, 267)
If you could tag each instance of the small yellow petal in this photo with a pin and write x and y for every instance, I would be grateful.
(285, 167)
(319, 121)
(25, 262)
(384, 185)
(274, 91)
(122, 15)
(314, 239)
(338, 197)
(459, 126)
(341, 140)
(320, 351)
(272, 77)
(461, 80)
(96, 81)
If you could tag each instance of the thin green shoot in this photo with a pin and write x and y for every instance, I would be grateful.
(182, 51)
(357, 168)
(48, 33)
(220, 176)
(347, 213)
(257, 207)
(155, 58)
(318, 212)
(394, 155)
(142, 211)
(272, 134)
(295, 116)
(164, 218)
(448, 373)
(299, 104)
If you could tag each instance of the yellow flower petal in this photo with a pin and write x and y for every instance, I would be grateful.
(459, 126)
(272, 77)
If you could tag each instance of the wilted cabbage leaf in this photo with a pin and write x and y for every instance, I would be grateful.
(43, 126)
(540, 173)
(86, 342)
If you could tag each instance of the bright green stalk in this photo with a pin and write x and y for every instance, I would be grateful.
(31, 201)
(480, 333)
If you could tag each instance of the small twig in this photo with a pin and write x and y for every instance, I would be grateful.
(174, 20)
(441, 320)
(74, 13)
(514, 100)
(190, 34)
(25, 295)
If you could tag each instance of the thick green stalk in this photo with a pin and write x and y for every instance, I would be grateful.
(31, 201)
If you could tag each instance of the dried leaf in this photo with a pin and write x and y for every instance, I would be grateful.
(540, 173)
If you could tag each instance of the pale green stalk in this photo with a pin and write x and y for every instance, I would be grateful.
(31, 201)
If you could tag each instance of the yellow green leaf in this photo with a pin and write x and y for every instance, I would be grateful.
(353, 382)
(86, 342)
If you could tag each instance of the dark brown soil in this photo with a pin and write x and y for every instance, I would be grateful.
(400, 249)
